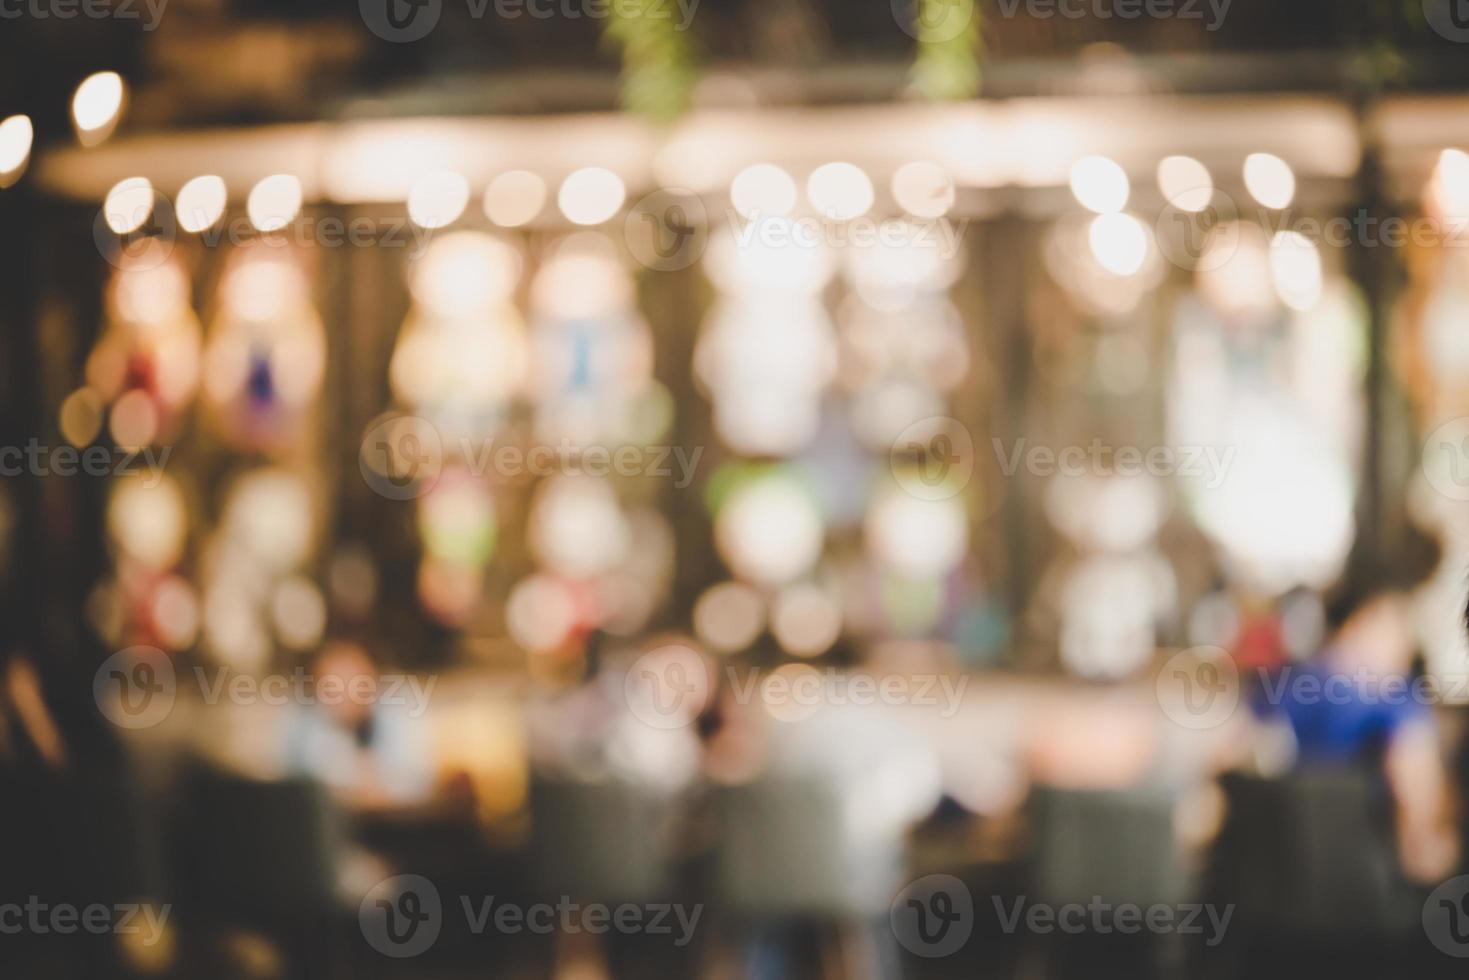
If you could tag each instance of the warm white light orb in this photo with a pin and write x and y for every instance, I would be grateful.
(438, 199)
(1100, 184)
(923, 189)
(1186, 183)
(274, 202)
(591, 195)
(1269, 180)
(1295, 265)
(514, 198)
(16, 136)
(201, 203)
(839, 191)
(1119, 243)
(97, 106)
(762, 190)
(129, 205)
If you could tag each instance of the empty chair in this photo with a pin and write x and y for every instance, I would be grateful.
(260, 855)
(797, 846)
(1114, 844)
(607, 840)
(1313, 853)
(807, 868)
(1102, 849)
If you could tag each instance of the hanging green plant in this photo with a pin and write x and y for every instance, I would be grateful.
(657, 65)
(947, 62)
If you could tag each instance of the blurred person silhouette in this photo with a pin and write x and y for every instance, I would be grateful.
(1360, 703)
(371, 749)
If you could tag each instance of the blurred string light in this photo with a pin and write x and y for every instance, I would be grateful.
(1234, 274)
(729, 616)
(906, 260)
(1186, 183)
(1100, 184)
(762, 190)
(437, 199)
(1270, 180)
(541, 613)
(591, 196)
(459, 530)
(914, 537)
(1119, 242)
(96, 106)
(146, 362)
(81, 415)
(147, 520)
(129, 205)
(298, 613)
(255, 593)
(767, 350)
(274, 202)
(1295, 266)
(514, 198)
(577, 528)
(200, 203)
(769, 529)
(591, 367)
(16, 137)
(1448, 187)
(266, 355)
(839, 191)
(1110, 600)
(805, 619)
(923, 189)
(462, 353)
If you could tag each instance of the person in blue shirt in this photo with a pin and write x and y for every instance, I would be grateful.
(1358, 703)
